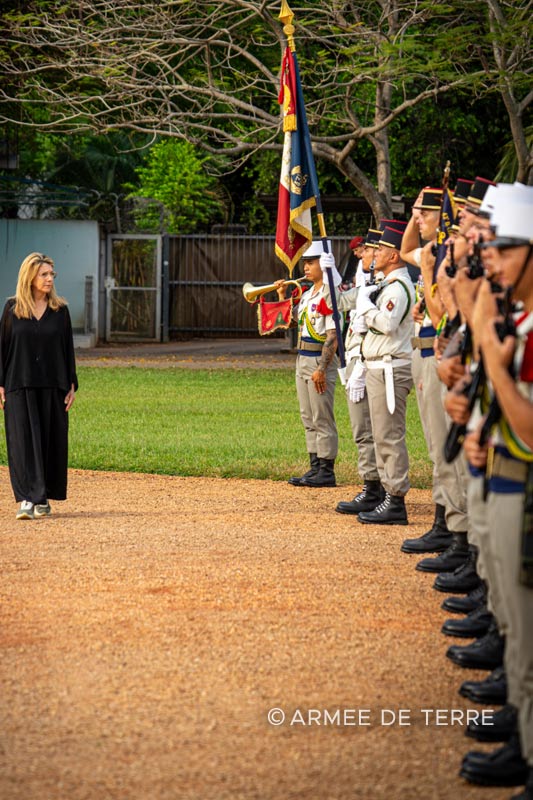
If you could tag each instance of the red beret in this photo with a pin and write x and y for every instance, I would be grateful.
(356, 242)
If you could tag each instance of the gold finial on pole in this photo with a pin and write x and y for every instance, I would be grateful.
(286, 16)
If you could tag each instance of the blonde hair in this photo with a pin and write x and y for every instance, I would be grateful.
(24, 303)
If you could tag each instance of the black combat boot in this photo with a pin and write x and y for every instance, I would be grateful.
(527, 794)
(314, 461)
(324, 477)
(491, 691)
(454, 556)
(462, 580)
(437, 539)
(475, 624)
(483, 653)
(463, 605)
(502, 767)
(390, 512)
(503, 724)
(368, 498)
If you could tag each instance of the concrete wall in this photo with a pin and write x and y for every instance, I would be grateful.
(74, 247)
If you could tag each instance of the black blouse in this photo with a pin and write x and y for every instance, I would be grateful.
(37, 353)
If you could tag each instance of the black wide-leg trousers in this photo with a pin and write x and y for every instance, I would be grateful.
(37, 444)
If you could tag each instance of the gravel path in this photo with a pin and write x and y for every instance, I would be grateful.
(150, 624)
(270, 353)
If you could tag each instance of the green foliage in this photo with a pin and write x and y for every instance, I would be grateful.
(258, 179)
(508, 166)
(174, 192)
(103, 166)
(467, 131)
(97, 167)
(207, 73)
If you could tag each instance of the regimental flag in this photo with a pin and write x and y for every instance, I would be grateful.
(297, 181)
(446, 220)
(273, 316)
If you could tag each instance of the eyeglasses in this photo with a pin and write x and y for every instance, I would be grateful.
(45, 275)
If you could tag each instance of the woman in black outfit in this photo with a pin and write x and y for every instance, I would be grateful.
(37, 385)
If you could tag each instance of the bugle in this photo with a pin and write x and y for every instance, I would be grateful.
(251, 292)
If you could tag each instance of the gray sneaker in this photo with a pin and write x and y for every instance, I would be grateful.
(26, 510)
(43, 510)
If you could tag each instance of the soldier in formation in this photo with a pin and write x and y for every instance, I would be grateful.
(471, 361)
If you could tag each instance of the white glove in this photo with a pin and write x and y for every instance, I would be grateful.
(357, 323)
(364, 303)
(327, 261)
(356, 383)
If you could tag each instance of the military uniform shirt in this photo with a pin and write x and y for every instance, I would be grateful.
(312, 321)
(390, 325)
(503, 435)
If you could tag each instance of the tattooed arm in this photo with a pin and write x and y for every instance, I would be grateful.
(328, 354)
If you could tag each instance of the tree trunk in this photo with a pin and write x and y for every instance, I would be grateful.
(523, 156)
(380, 141)
(380, 205)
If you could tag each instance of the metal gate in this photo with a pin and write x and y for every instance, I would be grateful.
(206, 273)
(160, 286)
(133, 288)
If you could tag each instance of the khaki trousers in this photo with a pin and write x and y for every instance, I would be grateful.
(504, 513)
(421, 396)
(362, 433)
(316, 410)
(479, 535)
(389, 429)
(449, 478)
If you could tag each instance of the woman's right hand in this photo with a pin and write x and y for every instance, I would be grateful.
(2, 396)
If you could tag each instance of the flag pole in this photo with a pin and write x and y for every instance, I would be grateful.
(441, 232)
(286, 16)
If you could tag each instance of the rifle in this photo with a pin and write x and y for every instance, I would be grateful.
(372, 272)
(379, 285)
(452, 326)
(456, 434)
(503, 329)
(475, 264)
(451, 269)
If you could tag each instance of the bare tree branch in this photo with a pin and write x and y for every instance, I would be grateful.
(208, 72)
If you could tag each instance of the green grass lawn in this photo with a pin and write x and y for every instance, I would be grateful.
(221, 423)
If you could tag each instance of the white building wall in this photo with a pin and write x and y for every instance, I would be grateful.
(74, 247)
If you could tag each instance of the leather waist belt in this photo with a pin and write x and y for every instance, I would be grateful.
(509, 468)
(424, 345)
(424, 341)
(310, 347)
(419, 343)
(385, 363)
